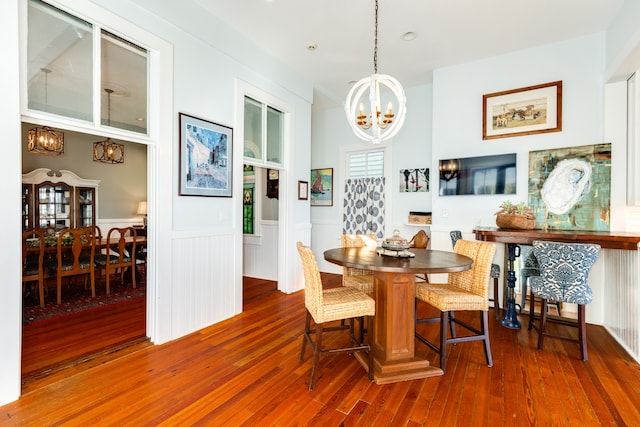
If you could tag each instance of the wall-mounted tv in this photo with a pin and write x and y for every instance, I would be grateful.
(478, 175)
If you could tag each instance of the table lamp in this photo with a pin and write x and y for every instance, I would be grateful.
(142, 210)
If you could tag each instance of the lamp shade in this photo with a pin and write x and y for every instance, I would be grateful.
(142, 208)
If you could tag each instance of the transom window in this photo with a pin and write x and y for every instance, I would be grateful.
(263, 132)
(60, 71)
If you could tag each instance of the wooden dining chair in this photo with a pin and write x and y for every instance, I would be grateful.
(328, 305)
(465, 291)
(420, 240)
(119, 255)
(355, 277)
(76, 248)
(33, 260)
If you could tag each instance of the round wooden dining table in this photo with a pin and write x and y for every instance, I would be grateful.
(393, 338)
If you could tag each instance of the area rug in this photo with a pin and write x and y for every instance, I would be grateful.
(77, 299)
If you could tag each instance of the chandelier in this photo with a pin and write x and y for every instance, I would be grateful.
(108, 151)
(44, 140)
(376, 126)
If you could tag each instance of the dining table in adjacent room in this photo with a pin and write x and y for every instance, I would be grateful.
(393, 340)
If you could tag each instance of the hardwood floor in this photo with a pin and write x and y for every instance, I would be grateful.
(245, 371)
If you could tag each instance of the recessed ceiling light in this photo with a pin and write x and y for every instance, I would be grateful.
(140, 119)
(409, 35)
(312, 46)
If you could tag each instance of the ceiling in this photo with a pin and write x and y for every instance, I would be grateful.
(449, 32)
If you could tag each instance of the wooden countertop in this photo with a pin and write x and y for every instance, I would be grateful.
(606, 239)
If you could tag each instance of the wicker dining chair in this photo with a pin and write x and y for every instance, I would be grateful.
(356, 277)
(328, 305)
(564, 270)
(495, 275)
(465, 291)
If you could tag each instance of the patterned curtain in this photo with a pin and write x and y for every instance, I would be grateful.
(364, 206)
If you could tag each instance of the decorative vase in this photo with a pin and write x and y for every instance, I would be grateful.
(521, 222)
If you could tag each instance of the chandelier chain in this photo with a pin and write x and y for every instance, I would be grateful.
(375, 41)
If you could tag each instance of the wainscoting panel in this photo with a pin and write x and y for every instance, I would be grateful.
(622, 296)
(326, 236)
(204, 292)
(260, 256)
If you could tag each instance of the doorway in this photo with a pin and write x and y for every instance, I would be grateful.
(261, 231)
(57, 336)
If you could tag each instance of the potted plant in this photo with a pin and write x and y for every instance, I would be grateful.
(517, 216)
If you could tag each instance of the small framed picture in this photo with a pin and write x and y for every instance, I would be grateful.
(525, 111)
(322, 187)
(303, 190)
(206, 150)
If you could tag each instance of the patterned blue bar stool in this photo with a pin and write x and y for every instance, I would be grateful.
(495, 275)
(564, 270)
(529, 269)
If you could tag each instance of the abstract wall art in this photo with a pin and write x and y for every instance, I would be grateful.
(570, 188)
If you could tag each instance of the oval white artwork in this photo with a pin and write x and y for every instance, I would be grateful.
(566, 184)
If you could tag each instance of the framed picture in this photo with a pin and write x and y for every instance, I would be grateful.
(303, 190)
(414, 180)
(570, 188)
(206, 162)
(525, 111)
(322, 187)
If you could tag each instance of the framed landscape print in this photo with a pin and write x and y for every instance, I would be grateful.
(206, 150)
(525, 111)
(321, 187)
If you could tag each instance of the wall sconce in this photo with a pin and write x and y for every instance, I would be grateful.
(449, 169)
(142, 210)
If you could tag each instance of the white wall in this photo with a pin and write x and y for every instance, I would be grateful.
(457, 121)
(10, 289)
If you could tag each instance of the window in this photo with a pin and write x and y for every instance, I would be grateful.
(59, 62)
(123, 85)
(364, 164)
(263, 132)
(247, 209)
(60, 71)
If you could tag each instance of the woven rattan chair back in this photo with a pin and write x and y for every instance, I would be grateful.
(312, 283)
(465, 291)
(355, 277)
(327, 305)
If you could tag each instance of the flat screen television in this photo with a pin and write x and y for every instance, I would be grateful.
(478, 175)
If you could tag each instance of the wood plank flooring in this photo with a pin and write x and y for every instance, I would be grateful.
(245, 371)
